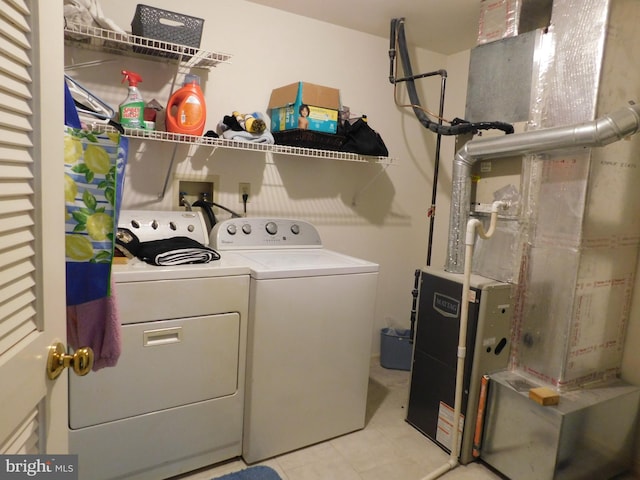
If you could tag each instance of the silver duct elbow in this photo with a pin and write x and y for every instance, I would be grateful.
(597, 133)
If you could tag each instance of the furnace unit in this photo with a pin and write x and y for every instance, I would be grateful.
(433, 376)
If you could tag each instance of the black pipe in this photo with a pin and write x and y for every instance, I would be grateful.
(458, 126)
(392, 49)
(414, 304)
(206, 206)
(436, 167)
(233, 214)
(442, 73)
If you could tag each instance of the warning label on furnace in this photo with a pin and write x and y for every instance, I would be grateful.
(444, 434)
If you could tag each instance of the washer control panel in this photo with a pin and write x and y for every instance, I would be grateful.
(263, 233)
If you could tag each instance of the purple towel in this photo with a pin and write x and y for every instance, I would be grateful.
(96, 324)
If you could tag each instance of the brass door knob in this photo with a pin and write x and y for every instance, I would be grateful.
(81, 361)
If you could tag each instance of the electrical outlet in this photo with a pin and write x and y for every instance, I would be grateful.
(244, 189)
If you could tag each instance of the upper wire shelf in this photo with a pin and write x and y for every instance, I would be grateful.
(96, 38)
(253, 146)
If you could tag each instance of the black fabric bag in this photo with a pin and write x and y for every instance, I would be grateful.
(362, 139)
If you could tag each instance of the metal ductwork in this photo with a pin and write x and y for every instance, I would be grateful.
(598, 133)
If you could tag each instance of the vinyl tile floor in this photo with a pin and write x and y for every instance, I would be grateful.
(388, 448)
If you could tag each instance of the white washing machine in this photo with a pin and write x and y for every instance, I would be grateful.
(174, 402)
(311, 313)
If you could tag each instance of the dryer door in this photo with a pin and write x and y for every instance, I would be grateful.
(163, 364)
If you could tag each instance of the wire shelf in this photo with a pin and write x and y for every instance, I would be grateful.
(96, 38)
(253, 146)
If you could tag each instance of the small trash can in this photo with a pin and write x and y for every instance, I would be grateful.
(395, 348)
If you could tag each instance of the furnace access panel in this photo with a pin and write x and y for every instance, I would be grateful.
(433, 376)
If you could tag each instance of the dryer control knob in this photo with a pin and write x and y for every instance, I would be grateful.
(295, 229)
(271, 228)
(246, 228)
(231, 229)
(154, 224)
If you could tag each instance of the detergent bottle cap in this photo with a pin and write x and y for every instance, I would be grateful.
(191, 78)
(132, 77)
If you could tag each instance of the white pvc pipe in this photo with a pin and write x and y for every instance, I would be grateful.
(473, 226)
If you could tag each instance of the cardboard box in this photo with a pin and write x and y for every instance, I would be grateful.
(285, 106)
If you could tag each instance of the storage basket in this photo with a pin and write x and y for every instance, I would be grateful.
(157, 24)
(309, 139)
(395, 348)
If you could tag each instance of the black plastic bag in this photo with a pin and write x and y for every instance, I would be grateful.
(362, 139)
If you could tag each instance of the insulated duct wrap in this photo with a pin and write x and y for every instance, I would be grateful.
(576, 233)
(572, 64)
(598, 133)
(582, 238)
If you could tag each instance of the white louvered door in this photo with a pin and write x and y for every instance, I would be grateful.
(33, 409)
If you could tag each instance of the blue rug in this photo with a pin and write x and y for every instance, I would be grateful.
(252, 473)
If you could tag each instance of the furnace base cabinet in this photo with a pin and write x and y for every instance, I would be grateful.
(588, 435)
(433, 376)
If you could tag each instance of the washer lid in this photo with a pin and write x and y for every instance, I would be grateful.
(302, 263)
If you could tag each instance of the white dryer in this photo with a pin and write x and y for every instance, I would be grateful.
(311, 313)
(174, 402)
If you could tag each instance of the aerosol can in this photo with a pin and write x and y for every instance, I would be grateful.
(132, 108)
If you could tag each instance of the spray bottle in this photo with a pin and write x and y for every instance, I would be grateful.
(186, 110)
(132, 108)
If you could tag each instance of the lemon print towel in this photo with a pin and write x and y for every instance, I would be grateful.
(94, 165)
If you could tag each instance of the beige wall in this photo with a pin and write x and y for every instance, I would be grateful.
(388, 223)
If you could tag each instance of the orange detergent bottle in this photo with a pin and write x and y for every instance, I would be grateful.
(186, 110)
